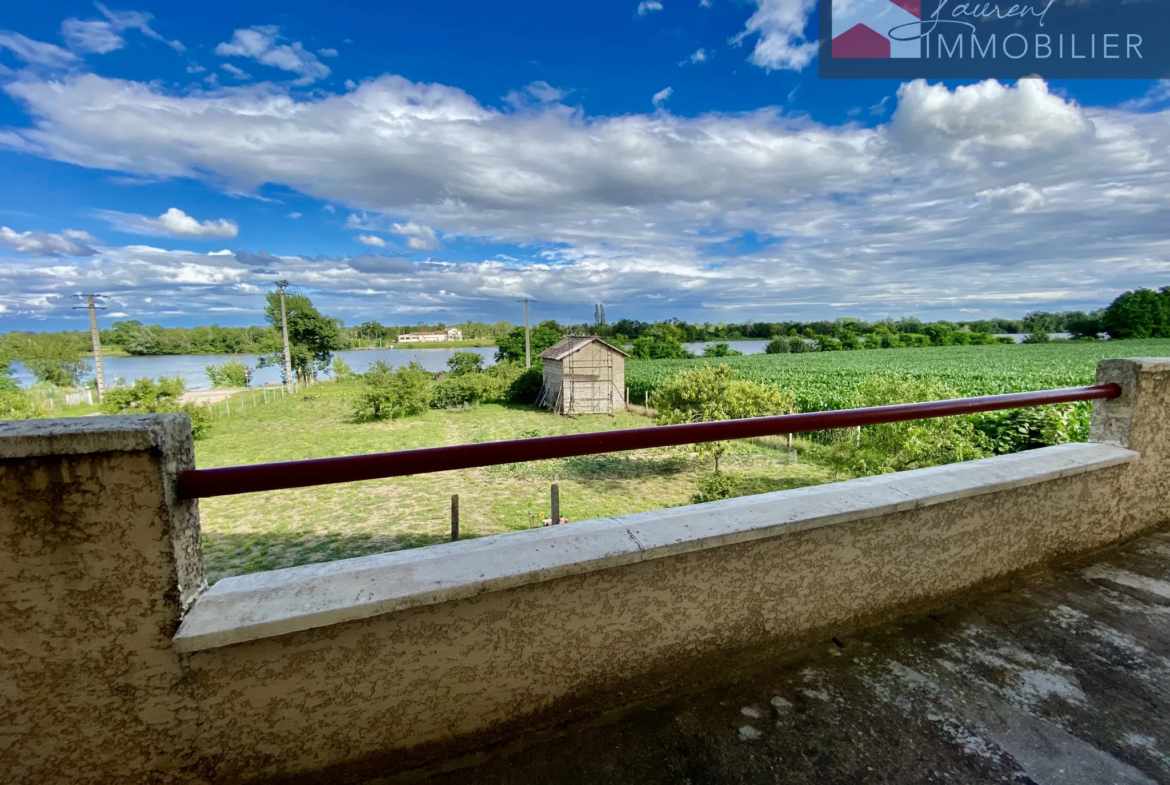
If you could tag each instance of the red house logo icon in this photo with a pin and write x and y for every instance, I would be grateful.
(872, 28)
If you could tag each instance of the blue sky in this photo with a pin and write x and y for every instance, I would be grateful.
(425, 162)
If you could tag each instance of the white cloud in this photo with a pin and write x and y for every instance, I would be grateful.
(698, 56)
(704, 3)
(648, 6)
(238, 73)
(660, 97)
(1019, 198)
(100, 36)
(371, 239)
(420, 238)
(780, 25)
(173, 223)
(70, 242)
(937, 211)
(259, 44)
(93, 35)
(195, 68)
(294, 215)
(327, 52)
(36, 52)
(1158, 94)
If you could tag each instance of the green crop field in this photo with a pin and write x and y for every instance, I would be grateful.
(826, 381)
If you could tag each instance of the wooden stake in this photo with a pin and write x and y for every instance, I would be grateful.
(556, 504)
(454, 517)
(790, 441)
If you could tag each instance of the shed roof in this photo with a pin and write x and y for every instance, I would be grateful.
(566, 346)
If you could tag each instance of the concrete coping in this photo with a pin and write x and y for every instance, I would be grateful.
(262, 605)
(89, 435)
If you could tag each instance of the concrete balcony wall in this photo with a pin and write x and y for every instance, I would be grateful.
(356, 669)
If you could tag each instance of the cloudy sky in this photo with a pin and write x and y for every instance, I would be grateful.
(437, 161)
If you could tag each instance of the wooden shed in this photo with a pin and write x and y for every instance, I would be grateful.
(583, 375)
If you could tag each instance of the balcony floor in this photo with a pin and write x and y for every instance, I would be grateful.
(1064, 678)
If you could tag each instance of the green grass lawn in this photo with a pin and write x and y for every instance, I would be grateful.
(264, 531)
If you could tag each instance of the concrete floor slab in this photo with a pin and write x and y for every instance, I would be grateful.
(1062, 679)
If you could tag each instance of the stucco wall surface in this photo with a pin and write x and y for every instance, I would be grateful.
(96, 562)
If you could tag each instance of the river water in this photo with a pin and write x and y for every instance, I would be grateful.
(191, 367)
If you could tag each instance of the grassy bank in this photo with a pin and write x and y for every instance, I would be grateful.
(268, 530)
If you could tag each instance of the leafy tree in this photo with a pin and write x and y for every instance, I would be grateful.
(1142, 313)
(16, 405)
(390, 394)
(720, 350)
(147, 396)
(655, 345)
(1083, 325)
(544, 335)
(232, 373)
(713, 392)
(312, 337)
(1038, 337)
(341, 370)
(6, 380)
(461, 363)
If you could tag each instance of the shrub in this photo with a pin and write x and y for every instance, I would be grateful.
(893, 447)
(341, 370)
(791, 345)
(713, 392)
(232, 373)
(16, 405)
(147, 396)
(387, 393)
(462, 363)
(526, 386)
(1039, 426)
(497, 380)
(720, 485)
(457, 391)
(720, 350)
(1039, 336)
(652, 347)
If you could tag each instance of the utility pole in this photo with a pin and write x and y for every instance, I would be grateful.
(95, 338)
(288, 377)
(527, 350)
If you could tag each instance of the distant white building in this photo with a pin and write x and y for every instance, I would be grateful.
(433, 336)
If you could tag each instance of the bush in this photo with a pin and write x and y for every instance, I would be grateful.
(497, 380)
(894, 447)
(792, 345)
(462, 363)
(712, 392)
(457, 391)
(341, 370)
(387, 393)
(651, 347)
(232, 373)
(147, 396)
(1038, 337)
(720, 485)
(15, 405)
(1040, 426)
(526, 386)
(720, 350)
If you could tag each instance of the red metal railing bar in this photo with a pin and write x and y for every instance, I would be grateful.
(203, 483)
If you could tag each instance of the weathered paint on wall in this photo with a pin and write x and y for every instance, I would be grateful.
(94, 691)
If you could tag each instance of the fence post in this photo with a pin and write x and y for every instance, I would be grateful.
(790, 441)
(454, 517)
(253, 399)
(555, 515)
